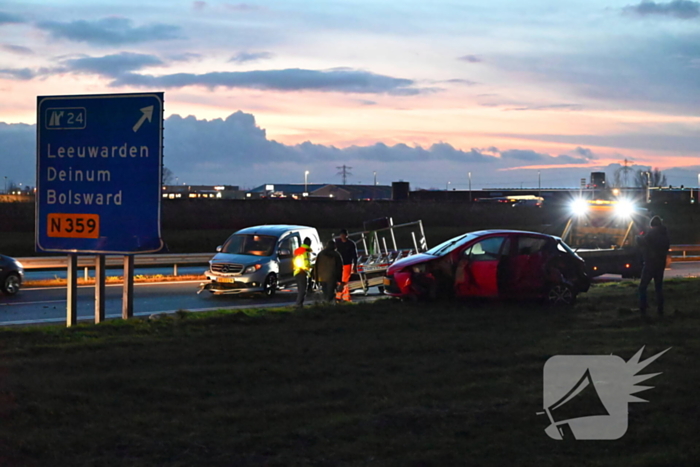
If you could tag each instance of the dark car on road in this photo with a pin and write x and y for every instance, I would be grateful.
(11, 275)
(492, 263)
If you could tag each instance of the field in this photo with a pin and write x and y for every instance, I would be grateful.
(196, 226)
(382, 384)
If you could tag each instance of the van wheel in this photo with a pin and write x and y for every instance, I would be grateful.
(270, 286)
(560, 295)
(11, 284)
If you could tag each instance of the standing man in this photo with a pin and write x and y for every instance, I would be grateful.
(302, 269)
(328, 271)
(348, 251)
(654, 245)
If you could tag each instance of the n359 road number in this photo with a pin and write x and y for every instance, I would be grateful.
(74, 225)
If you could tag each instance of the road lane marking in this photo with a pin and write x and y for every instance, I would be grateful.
(136, 284)
(32, 303)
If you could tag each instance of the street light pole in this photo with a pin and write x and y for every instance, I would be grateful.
(470, 186)
(447, 188)
(375, 178)
(306, 181)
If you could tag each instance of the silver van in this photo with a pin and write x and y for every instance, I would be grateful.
(258, 259)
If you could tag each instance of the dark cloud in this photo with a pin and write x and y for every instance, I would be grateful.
(236, 150)
(112, 65)
(9, 18)
(679, 140)
(16, 49)
(339, 80)
(22, 74)
(18, 152)
(470, 59)
(466, 82)
(185, 57)
(199, 5)
(244, 57)
(213, 147)
(682, 9)
(532, 157)
(109, 31)
(524, 155)
(584, 152)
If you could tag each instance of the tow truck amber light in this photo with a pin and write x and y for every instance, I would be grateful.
(627, 265)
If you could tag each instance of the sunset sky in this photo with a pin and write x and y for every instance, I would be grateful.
(260, 92)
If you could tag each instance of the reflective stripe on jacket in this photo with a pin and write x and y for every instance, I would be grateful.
(302, 259)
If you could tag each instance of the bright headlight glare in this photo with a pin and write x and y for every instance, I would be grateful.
(624, 208)
(579, 207)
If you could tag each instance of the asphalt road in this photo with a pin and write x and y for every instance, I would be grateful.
(48, 305)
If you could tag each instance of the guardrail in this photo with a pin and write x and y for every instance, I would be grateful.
(683, 250)
(88, 261)
(170, 259)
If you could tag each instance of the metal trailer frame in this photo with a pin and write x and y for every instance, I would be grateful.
(376, 257)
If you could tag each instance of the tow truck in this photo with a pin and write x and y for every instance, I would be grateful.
(603, 233)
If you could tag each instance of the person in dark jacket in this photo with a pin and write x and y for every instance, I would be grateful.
(654, 245)
(328, 271)
(348, 251)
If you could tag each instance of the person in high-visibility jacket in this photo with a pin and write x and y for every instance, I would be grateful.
(348, 251)
(302, 269)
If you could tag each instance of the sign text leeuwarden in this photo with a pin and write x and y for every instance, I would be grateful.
(99, 160)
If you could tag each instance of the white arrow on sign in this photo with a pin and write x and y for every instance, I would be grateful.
(147, 114)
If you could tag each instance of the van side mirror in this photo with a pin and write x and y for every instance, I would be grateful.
(219, 248)
(284, 253)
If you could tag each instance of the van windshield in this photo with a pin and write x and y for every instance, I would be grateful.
(255, 245)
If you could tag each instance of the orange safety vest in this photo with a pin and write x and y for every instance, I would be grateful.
(302, 259)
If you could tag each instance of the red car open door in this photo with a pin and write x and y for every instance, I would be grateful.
(477, 268)
(526, 268)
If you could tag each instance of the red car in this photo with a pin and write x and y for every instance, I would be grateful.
(492, 263)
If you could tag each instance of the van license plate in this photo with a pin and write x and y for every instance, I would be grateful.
(226, 280)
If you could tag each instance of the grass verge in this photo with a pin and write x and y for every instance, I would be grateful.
(378, 384)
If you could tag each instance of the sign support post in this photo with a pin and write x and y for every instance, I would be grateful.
(72, 286)
(128, 290)
(100, 275)
(99, 184)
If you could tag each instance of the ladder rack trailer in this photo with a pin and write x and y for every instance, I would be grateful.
(378, 248)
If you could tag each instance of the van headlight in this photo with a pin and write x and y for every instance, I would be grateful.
(251, 269)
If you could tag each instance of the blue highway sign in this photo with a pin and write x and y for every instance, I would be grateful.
(99, 160)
